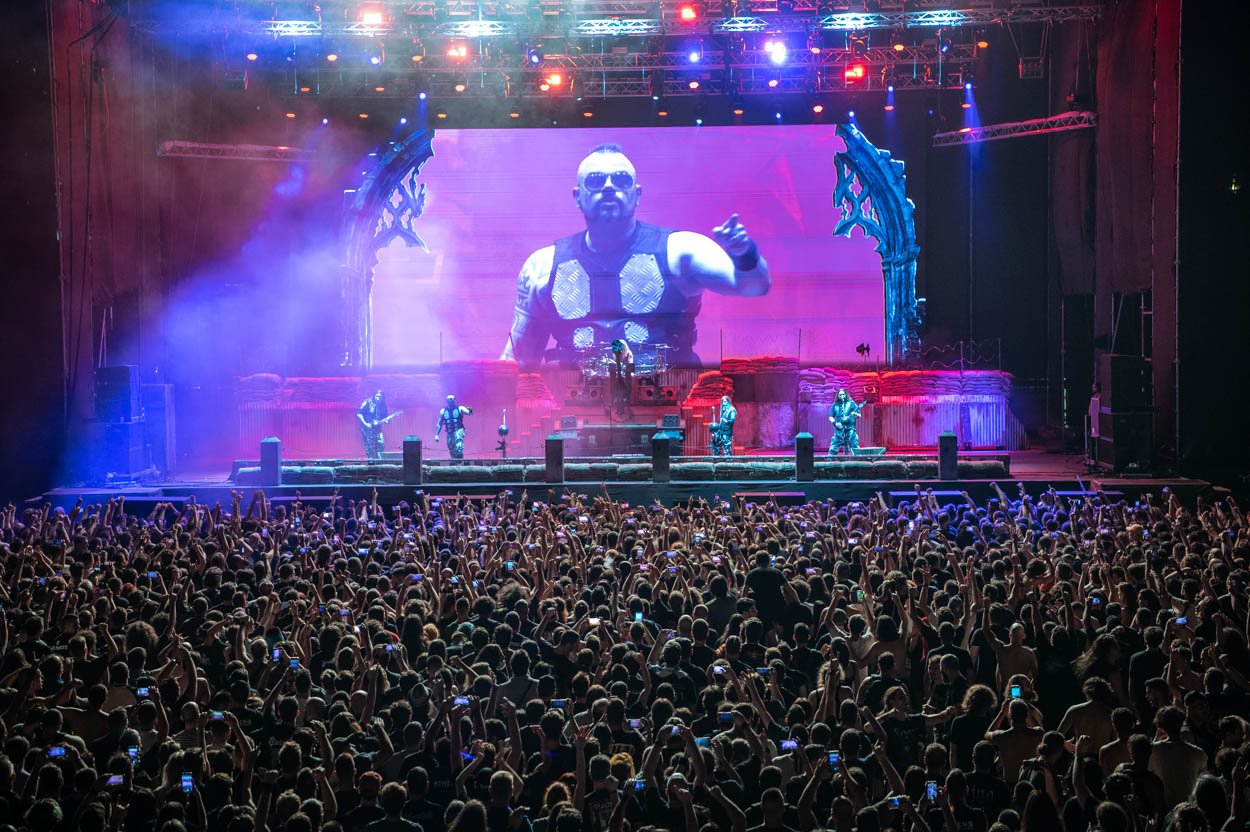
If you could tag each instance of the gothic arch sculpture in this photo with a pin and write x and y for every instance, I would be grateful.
(381, 211)
(871, 193)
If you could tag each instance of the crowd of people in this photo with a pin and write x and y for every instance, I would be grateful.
(578, 664)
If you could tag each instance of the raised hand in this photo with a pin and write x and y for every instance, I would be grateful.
(732, 236)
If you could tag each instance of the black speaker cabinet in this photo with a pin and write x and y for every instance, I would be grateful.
(1126, 383)
(116, 448)
(668, 394)
(159, 427)
(117, 393)
(1126, 440)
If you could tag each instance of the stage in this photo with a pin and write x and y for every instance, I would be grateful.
(1037, 470)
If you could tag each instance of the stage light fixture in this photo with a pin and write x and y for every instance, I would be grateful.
(403, 120)
(514, 114)
(332, 57)
(778, 115)
(688, 14)
(964, 130)
(460, 85)
(694, 85)
(850, 114)
(855, 74)
(899, 47)
(290, 115)
(738, 111)
(325, 121)
(371, 18)
(457, 50)
(773, 82)
(945, 46)
(379, 89)
(818, 108)
(364, 115)
(698, 122)
(251, 56)
(694, 56)
(777, 51)
(305, 89)
(440, 115)
(662, 113)
(375, 60)
(421, 95)
(889, 108)
(555, 79)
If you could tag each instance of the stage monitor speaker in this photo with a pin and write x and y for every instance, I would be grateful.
(414, 473)
(117, 449)
(868, 452)
(668, 395)
(1126, 383)
(661, 457)
(158, 419)
(1126, 441)
(671, 421)
(948, 456)
(804, 457)
(271, 461)
(117, 393)
(554, 458)
(646, 394)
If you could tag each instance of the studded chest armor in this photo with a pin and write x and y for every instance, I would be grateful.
(628, 293)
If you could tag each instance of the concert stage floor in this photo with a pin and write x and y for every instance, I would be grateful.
(1036, 469)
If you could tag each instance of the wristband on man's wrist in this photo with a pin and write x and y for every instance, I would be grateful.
(747, 260)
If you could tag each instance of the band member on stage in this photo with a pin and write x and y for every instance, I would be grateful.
(451, 417)
(622, 377)
(723, 429)
(843, 415)
(371, 414)
(625, 279)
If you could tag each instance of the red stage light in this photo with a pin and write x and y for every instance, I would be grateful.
(251, 56)
(819, 108)
(694, 85)
(364, 115)
(965, 129)
(856, 72)
(555, 79)
(371, 18)
(737, 111)
(460, 87)
(889, 107)
(899, 47)
(688, 13)
(460, 51)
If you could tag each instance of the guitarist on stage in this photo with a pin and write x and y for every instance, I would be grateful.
(372, 414)
(843, 414)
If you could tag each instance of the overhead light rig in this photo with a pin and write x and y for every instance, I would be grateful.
(1062, 123)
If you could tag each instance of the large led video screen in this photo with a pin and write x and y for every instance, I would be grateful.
(493, 198)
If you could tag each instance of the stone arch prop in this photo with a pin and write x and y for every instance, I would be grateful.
(380, 212)
(871, 193)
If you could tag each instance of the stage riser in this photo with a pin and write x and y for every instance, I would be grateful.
(730, 471)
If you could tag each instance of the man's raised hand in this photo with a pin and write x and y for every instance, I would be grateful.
(732, 236)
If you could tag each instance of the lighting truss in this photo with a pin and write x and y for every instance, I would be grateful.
(622, 18)
(1062, 123)
(248, 152)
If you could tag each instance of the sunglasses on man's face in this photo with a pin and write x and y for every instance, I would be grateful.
(623, 180)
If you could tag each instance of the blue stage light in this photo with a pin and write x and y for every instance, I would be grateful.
(325, 121)
(375, 60)
(421, 95)
(778, 115)
(850, 113)
(968, 86)
(698, 121)
(694, 56)
(403, 120)
(890, 88)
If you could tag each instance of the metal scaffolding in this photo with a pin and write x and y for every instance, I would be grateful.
(1062, 123)
(248, 152)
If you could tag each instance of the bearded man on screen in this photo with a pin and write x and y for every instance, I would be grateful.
(621, 278)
